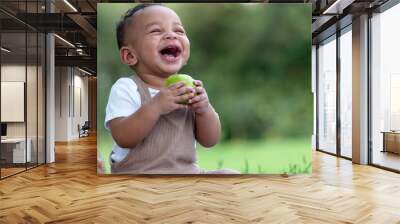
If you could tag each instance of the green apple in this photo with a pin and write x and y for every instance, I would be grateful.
(186, 79)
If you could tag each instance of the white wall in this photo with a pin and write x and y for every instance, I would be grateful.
(13, 72)
(12, 100)
(61, 103)
(71, 93)
(80, 100)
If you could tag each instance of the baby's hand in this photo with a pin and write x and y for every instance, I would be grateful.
(171, 98)
(199, 103)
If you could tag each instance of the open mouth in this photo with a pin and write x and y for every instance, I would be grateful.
(170, 53)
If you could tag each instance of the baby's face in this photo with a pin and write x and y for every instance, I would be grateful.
(159, 41)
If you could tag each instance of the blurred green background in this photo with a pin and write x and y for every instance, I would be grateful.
(255, 62)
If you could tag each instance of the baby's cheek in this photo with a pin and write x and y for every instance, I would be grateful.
(186, 58)
(187, 49)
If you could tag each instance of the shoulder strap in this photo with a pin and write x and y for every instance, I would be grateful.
(142, 89)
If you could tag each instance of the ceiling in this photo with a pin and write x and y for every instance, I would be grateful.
(76, 25)
(330, 15)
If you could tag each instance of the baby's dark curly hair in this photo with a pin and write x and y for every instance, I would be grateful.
(125, 19)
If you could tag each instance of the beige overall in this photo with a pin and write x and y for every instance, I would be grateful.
(168, 149)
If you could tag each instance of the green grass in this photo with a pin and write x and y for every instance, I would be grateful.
(276, 156)
(263, 156)
(104, 147)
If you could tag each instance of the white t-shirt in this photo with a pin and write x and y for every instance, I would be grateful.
(123, 101)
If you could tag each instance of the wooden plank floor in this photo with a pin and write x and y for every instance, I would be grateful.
(10, 171)
(387, 159)
(70, 191)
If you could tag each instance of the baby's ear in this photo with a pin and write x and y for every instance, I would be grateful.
(128, 56)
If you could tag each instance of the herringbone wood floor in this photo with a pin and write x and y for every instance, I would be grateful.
(70, 191)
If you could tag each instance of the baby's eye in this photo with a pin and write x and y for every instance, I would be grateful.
(180, 31)
(155, 31)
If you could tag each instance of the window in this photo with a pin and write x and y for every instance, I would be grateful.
(346, 92)
(327, 95)
(385, 88)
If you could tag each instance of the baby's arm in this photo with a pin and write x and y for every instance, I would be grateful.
(129, 131)
(208, 126)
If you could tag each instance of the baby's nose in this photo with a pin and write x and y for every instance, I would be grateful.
(170, 35)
